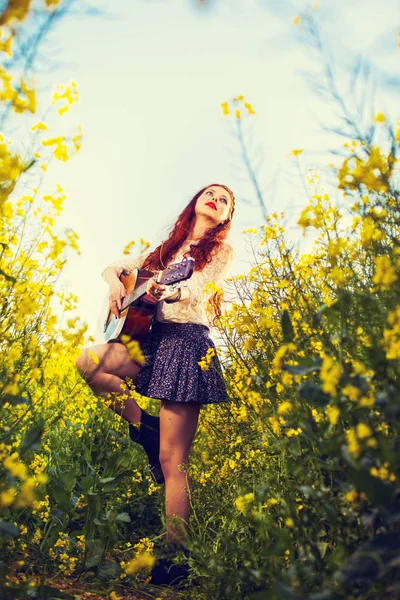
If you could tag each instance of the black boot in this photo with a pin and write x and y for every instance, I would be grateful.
(166, 572)
(148, 435)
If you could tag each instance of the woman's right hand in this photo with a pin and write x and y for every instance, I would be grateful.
(117, 293)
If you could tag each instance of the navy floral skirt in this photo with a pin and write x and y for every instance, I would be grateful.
(171, 371)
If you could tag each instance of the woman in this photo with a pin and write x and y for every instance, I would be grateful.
(177, 341)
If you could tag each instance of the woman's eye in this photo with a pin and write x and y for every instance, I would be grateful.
(224, 200)
(209, 192)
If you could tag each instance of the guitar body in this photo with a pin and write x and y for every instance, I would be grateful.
(138, 308)
(136, 319)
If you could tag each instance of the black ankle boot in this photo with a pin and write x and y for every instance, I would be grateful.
(148, 435)
(166, 572)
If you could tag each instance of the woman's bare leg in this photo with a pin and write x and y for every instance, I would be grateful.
(178, 424)
(106, 377)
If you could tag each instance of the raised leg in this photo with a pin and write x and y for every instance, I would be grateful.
(106, 376)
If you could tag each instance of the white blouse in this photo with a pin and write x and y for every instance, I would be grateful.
(193, 310)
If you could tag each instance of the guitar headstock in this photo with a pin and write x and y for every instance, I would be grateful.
(177, 272)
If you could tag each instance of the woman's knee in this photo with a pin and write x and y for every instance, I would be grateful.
(172, 465)
(85, 365)
(81, 362)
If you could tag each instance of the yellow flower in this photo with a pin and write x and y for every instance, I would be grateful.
(128, 247)
(134, 349)
(297, 151)
(249, 108)
(145, 560)
(380, 118)
(276, 428)
(284, 407)
(7, 497)
(304, 220)
(351, 391)
(289, 522)
(242, 502)
(293, 432)
(383, 472)
(384, 275)
(352, 443)
(333, 413)
(40, 125)
(363, 431)
(206, 360)
(330, 375)
(351, 496)
(94, 357)
(296, 20)
(225, 108)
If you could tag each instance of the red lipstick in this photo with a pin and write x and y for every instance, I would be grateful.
(212, 205)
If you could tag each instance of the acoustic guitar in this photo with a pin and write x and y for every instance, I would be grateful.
(138, 308)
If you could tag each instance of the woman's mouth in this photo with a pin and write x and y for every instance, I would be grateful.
(212, 205)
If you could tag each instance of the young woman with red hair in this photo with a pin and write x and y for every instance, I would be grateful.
(177, 341)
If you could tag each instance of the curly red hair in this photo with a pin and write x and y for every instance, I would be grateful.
(203, 251)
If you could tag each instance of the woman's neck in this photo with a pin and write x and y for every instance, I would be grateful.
(199, 229)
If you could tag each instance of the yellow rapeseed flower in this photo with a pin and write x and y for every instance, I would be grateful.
(380, 117)
(330, 375)
(225, 108)
(385, 275)
(284, 407)
(293, 432)
(333, 414)
(363, 431)
(351, 496)
(352, 443)
(144, 560)
(297, 151)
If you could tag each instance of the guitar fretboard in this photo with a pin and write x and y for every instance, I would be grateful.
(130, 298)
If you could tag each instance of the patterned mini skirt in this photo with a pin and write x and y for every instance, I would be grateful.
(171, 371)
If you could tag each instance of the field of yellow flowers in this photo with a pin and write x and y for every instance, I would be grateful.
(295, 485)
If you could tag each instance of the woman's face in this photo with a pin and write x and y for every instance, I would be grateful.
(215, 203)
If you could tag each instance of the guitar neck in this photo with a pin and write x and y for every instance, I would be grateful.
(133, 296)
(172, 274)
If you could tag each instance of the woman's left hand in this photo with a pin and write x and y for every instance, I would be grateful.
(159, 291)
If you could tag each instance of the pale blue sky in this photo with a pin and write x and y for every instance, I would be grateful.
(152, 75)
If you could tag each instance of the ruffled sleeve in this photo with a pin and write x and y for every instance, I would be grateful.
(127, 265)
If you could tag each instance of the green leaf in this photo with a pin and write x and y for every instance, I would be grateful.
(14, 400)
(287, 327)
(302, 369)
(62, 496)
(378, 492)
(106, 479)
(33, 436)
(87, 482)
(68, 479)
(313, 394)
(95, 549)
(8, 529)
(123, 517)
(108, 571)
